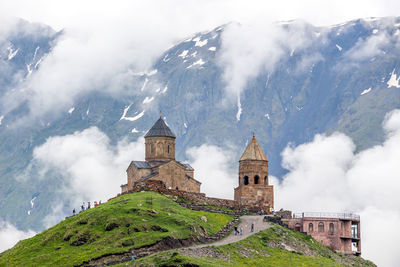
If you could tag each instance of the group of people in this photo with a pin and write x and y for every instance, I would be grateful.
(84, 207)
(240, 230)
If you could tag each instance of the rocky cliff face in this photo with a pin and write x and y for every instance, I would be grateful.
(346, 78)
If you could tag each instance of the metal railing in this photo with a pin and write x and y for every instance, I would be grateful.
(346, 216)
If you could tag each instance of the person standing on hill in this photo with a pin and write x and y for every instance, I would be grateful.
(88, 205)
(73, 212)
(252, 227)
(83, 206)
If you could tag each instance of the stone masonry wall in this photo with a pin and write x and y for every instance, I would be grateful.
(199, 198)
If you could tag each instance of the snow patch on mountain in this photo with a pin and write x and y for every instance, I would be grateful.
(34, 54)
(185, 125)
(200, 43)
(212, 48)
(134, 118)
(166, 59)
(134, 130)
(28, 68)
(239, 112)
(198, 62)
(393, 81)
(366, 91)
(339, 47)
(164, 90)
(32, 202)
(1, 118)
(38, 62)
(194, 54)
(267, 116)
(12, 53)
(148, 99)
(144, 84)
(71, 110)
(183, 54)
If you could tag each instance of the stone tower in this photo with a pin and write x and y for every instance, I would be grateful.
(160, 142)
(253, 186)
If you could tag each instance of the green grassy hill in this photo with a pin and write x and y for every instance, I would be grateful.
(277, 246)
(143, 219)
(129, 221)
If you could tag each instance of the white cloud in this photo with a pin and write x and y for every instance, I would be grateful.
(212, 165)
(91, 168)
(10, 235)
(327, 175)
(249, 49)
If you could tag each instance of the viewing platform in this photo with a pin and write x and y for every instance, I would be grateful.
(341, 216)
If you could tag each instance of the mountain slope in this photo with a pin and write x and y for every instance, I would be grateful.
(334, 83)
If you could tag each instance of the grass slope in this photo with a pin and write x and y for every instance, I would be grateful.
(129, 221)
(276, 246)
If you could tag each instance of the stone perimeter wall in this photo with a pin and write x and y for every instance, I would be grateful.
(199, 198)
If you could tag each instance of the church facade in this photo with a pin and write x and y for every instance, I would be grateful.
(254, 188)
(160, 163)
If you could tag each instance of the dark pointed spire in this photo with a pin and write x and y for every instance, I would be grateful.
(160, 129)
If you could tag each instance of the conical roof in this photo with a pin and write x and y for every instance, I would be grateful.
(253, 152)
(160, 129)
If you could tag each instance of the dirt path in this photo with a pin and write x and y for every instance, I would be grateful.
(245, 224)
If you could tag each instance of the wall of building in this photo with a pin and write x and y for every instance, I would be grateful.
(159, 148)
(174, 176)
(251, 168)
(262, 195)
(339, 238)
(134, 174)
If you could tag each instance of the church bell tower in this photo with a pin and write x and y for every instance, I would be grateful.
(253, 186)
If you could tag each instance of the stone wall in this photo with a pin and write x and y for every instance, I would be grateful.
(256, 195)
(198, 198)
(160, 148)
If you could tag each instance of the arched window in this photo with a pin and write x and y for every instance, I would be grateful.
(321, 227)
(168, 149)
(265, 180)
(297, 227)
(152, 148)
(256, 179)
(246, 180)
(331, 228)
(310, 227)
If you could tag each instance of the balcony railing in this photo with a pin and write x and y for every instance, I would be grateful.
(346, 216)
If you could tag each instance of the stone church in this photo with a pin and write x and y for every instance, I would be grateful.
(160, 163)
(253, 186)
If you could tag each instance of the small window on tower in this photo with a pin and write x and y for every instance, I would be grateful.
(168, 149)
(256, 179)
(310, 227)
(246, 180)
(265, 180)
